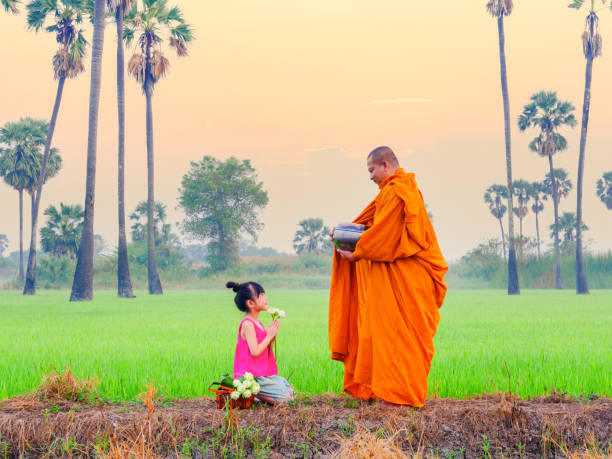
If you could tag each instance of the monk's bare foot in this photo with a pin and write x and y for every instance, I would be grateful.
(389, 405)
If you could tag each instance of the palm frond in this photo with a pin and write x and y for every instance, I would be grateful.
(160, 65)
(498, 8)
(179, 46)
(136, 67)
(10, 6)
(591, 39)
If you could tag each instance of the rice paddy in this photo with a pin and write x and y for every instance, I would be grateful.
(184, 340)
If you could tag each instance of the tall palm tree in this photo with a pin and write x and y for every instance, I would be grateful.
(82, 285)
(311, 237)
(148, 65)
(538, 194)
(124, 282)
(62, 233)
(604, 189)
(547, 114)
(21, 139)
(562, 183)
(65, 16)
(591, 46)
(140, 218)
(10, 6)
(522, 189)
(493, 197)
(498, 9)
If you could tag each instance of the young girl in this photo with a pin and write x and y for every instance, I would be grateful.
(254, 348)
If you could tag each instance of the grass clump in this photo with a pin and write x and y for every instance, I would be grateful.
(65, 386)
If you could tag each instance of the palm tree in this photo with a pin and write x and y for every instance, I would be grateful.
(547, 114)
(538, 193)
(82, 286)
(10, 6)
(498, 9)
(162, 230)
(493, 197)
(22, 139)
(67, 63)
(147, 67)
(522, 188)
(567, 227)
(124, 281)
(591, 46)
(313, 236)
(604, 189)
(62, 233)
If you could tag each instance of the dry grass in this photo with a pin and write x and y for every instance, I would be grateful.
(64, 386)
(499, 424)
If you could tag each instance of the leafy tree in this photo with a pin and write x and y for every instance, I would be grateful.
(547, 114)
(604, 189)
(538, 194)
(62, 233)
(3, 244)
(562, 184)
(498, 9)
(124, 281)
(221, 201)
(20, 163)
(494, 198)
(522, 189)
(313, 236)
(82, 286)
(147, 67)
(10, 6)
(64, 17)
(567, 228)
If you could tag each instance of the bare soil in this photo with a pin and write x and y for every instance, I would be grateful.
(498, 425)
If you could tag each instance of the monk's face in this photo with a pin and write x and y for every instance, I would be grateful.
(379, 171)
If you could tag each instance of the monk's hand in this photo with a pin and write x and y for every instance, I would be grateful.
(331, 235)
(346, 254)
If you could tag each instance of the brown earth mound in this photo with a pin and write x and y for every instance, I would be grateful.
(491, 426)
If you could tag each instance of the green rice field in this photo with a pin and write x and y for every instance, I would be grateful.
(184, 340)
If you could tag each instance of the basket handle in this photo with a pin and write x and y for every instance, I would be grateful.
(222, 389)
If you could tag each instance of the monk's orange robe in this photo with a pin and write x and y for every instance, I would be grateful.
(383, 308)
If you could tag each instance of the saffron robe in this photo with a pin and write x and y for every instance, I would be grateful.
(383, 308)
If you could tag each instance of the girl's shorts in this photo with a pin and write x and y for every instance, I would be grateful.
(275, 387)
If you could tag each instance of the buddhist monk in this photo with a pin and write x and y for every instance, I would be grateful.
(385, 296)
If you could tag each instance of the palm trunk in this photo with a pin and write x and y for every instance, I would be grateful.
(513, 283)
(82, 286)
(501, 226)
(558, 279)
(30, 282)
(124, 281)
(581, 280)
(538, 232)
(20, 275)
(521, 227)
(155, 287)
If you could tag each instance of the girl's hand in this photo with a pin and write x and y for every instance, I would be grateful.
(273, 328)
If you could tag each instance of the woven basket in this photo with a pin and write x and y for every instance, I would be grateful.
(223, 398)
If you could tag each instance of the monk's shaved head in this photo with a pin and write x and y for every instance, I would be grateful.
(380, 154)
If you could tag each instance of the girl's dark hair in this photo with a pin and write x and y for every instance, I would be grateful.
(245, 292)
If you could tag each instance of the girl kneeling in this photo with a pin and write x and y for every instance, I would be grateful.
(254, 348)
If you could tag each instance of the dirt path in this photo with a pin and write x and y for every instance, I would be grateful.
(320, 426)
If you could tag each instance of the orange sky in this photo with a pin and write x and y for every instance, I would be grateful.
(306, 89)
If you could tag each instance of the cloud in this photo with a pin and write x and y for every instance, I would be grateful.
(411, 100)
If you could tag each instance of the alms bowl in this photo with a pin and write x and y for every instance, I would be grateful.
(346, 235)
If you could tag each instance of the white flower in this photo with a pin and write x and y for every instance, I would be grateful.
(248, 376)
(236, 382)
(246, 394)
(281, 313)
(273, 311)
(241, 388)
(255, 388)
(235, 395)
(247, 383)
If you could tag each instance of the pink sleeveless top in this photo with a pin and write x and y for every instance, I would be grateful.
(262, 365)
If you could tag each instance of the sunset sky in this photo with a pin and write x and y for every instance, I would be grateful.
(306, 89)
